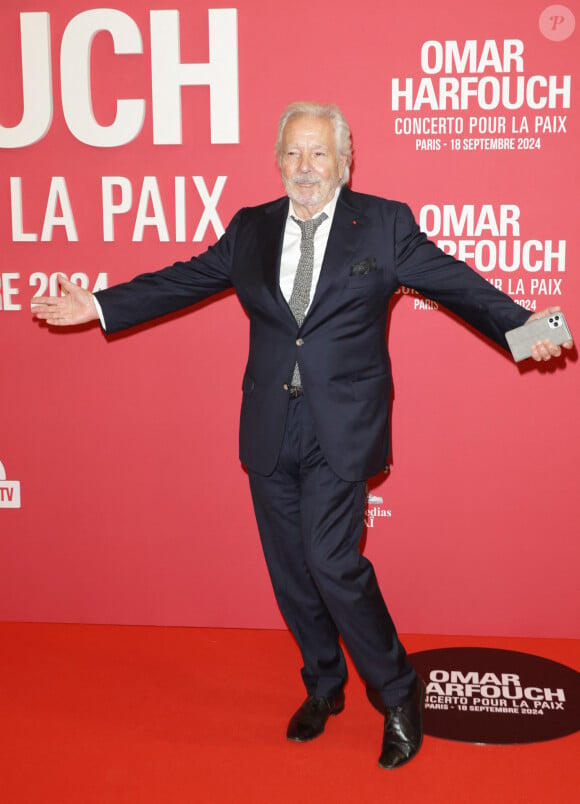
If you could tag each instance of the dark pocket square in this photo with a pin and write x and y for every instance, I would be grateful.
(366, 266)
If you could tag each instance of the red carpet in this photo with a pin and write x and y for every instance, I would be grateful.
(96, 714)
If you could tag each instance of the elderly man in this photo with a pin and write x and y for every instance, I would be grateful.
(315, 271)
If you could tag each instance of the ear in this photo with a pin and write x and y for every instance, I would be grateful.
(341, 167)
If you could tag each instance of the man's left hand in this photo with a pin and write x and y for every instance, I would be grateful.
(545, 350)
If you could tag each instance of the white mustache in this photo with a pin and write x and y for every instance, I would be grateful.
(306, 179)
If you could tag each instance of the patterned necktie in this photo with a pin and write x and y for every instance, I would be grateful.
(300, 297)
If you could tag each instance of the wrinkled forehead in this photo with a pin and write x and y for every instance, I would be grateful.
(309, 130)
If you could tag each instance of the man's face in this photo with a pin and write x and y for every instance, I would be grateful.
(311, 169)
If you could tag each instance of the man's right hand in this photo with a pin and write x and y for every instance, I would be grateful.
(76, 306)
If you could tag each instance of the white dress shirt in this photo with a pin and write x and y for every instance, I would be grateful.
(291, 248)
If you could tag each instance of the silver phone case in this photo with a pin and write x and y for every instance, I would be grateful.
(521, 339)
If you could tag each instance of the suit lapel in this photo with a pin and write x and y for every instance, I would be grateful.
(270, 247)
(347, 231)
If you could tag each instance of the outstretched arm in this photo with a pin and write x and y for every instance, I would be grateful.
(425, 267)
(76, 306)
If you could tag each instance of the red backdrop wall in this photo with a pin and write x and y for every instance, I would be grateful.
(110, 509)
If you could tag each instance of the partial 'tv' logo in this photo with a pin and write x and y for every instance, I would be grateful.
(9, 491)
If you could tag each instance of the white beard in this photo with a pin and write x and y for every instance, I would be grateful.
(314, 196)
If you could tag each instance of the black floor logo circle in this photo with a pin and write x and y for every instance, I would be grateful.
(486, 695)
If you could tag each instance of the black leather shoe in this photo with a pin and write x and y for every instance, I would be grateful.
(309, 721)
(403, 729)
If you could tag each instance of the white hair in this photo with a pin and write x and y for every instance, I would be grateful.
(325, 110)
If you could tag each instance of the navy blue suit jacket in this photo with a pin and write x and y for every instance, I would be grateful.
(374, 247)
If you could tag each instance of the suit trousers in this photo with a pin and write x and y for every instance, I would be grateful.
(310, 523)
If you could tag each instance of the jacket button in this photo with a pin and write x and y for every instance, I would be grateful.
(299, 342)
